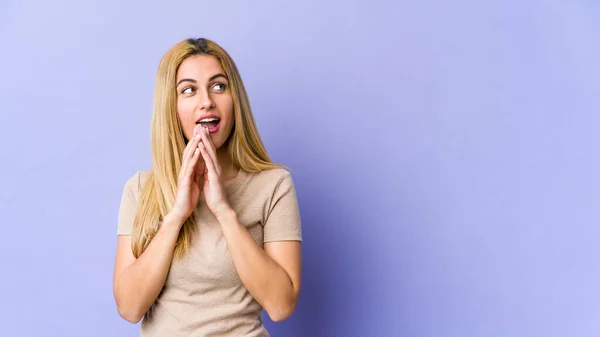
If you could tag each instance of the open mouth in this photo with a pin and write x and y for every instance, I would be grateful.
(211, 123)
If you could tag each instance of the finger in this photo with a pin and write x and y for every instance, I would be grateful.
(189, 152)
(210, 149)
(199, 171)
(191, 165)
(210, 166)
(199, 165)
(189, 144)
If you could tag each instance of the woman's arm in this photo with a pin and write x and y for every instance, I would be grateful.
(137, 282)
(271, 275)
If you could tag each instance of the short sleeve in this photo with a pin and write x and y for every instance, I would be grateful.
(283, 221)
(128, 207)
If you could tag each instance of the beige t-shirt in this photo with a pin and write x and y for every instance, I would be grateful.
(203, 294)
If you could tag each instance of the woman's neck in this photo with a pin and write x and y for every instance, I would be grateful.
(227, 168)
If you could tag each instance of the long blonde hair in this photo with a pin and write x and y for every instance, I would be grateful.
(245, 146)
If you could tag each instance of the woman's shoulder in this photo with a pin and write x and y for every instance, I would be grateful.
(137, 180)
(274, 175)
(270, 179)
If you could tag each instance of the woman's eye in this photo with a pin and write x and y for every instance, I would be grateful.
(219, 86)
(188, 90)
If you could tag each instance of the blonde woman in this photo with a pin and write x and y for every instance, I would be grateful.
(211, 234)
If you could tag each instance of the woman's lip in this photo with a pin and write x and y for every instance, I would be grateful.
(215, 128)
(207, 116)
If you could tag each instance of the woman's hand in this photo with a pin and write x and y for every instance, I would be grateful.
(189, 179)
(213, 186)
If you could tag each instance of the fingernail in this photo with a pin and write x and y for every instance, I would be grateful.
(198, 136)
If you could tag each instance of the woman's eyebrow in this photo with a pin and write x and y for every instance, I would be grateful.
(194, 81)
(217, 75)
(186, 80)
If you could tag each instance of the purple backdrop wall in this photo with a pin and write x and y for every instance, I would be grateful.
(445, 155)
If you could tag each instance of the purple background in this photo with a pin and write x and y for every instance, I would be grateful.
(445, 155)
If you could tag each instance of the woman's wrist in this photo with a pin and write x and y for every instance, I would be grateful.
(173, 220)
(225, 214)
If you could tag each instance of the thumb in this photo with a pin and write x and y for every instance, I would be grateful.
(199, 172)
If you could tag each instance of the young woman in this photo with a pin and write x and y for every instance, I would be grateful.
(211, 234)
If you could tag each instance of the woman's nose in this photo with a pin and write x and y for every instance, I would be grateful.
(206, 101)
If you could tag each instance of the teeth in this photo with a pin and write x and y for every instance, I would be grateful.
(206, 120)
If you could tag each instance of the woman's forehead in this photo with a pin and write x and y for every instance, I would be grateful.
(199, 67)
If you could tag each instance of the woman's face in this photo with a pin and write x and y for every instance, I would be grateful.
(203, 97)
